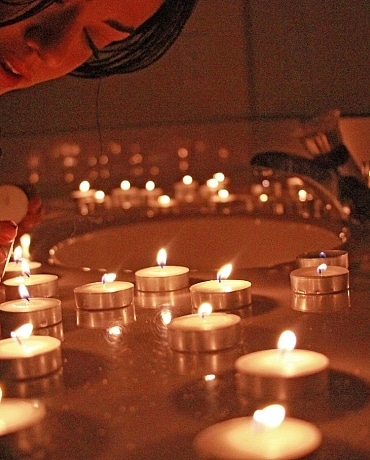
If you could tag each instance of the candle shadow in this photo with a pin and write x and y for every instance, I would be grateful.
(262, 305)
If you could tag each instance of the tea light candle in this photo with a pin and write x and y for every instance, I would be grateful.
(29, 357)
(162, 277)
(222, 294)
(204, 332)
(38, 285)
(105, 295)
(283, 373)
(260, 437)
(332, 257)
(18, 414)
(323, 279)
(41, 312)
(185, 190)
(14, 269)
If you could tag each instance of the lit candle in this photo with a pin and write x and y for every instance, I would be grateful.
(322, 279)
(162, 277)
(283, 373)
(15, 266)
(26, 356)
(151, 192)
(38, 285)
(331, 257)
(268, 434)
(104, 295)
(222, 293)
(18, 414)
(185, 190)
(204, 331)
(125, 195)
(41, 312)
(84, 193)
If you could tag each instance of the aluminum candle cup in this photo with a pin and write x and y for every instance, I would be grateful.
(162, 278)
(41, 312)
(204, 333)
(222, 295)
(34, 357)
(179, 298)
(38, 285)
(242, 438)
(332, 257)
(101, 319)
(309, 280)
(282, 375)
(323, 292)
(17, 415)
(14, 269)
(104, 296)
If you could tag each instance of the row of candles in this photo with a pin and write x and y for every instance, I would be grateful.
(265, 194)
(213, 326)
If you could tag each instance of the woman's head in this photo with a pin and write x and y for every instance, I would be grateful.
(41, 41)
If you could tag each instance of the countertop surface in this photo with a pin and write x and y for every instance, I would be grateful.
(129, 397)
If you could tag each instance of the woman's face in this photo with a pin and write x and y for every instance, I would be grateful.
(57, 40)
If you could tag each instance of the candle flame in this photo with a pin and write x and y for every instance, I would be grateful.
(271, 416)
(162, 257)
(17, 254)
(150, 186)
(321, 268)
(23, 292)
(125, 185)
(223, 194)
(212, 183)
(108, 278)
(205, 309)
(287, 341)
(23, 332)
(25, 241)
(187, 180)
(164, 200)
(25, 268)
(224, 272)
(209, 377)
(220, 177)
(322, 255)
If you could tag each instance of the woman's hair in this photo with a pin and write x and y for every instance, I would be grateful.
(144, 46)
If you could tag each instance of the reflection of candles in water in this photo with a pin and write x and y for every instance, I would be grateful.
(38, 285)
(282, 373)
(162, 277)
(222, 293)
(151, 192)
(106, 294)
(223, 196)
(185, 189)
(18, 414)
(125, 195)
(268, 434)
(42, 312)
(204, 331)
(25, 356)
(330, 257)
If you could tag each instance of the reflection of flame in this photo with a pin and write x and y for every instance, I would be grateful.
(115, 331)
(209, 377)
(205, 309)
(287, 341)
(321, 268)
(224, 272)
(23, 292)
(108, 278)
(162, 257)
(1, 395)
(271, 416)
(25, 241)
(166, 316)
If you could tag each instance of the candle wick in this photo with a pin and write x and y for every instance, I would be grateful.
(16, 337)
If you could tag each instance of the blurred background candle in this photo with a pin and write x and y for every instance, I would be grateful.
(162, 277)
(26, 356)
(330, 257)
(222, 293)
(282, 373)
(104, 295)
(186, 189)
(266, 435)
(204, 331)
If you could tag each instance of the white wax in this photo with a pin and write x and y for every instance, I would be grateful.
(215, 286)
(162, 272)
(33, 346)
(278, 364)
(101, 288)
(34, 304)
(16, 415)
(32, 280)
(196, 322)
(242, 439)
